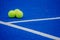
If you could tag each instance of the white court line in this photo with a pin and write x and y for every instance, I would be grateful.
(30, 30)
(35, 20)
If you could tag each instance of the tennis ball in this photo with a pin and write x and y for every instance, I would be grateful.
(11, 14)
(18, 13)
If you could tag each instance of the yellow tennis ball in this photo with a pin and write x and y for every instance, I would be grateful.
(11, 14)
(18, 13)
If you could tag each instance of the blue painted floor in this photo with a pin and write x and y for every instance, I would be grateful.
(33, 9)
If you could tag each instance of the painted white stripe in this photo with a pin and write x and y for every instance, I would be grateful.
(35, 20)
(30, 30)
(57, 39)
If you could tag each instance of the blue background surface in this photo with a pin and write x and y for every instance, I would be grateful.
(33, 9)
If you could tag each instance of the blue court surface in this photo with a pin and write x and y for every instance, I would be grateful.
(41, 20)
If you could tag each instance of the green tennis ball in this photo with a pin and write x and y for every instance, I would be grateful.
(18, 13)
(11, 14)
